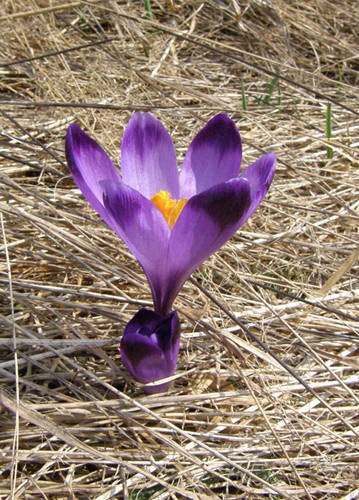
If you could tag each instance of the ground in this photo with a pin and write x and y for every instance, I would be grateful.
(264, 402)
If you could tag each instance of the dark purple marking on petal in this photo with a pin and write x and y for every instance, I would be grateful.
(139, 223)
(148, 157)
(206, 222)
(214, 156)
(144, 318)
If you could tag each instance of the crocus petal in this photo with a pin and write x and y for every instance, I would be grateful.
(139, 350)
(139, 223)
(206, 222)
(143, 318)
(149, 347)
(89, 166)
(148, 157)
(214, 156)
(259, 175)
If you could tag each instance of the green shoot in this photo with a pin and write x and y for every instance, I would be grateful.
(244, 100)
(269, 91)
(148, 9)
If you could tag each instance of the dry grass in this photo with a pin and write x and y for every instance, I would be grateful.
(236, 423)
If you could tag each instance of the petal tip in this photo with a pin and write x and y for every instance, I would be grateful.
(272, 159)
(224, 121)
(221, 118)
(73, 127)
(142, 118)
(270, 166)
(75, 133)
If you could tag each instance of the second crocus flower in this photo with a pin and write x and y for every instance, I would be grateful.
(149, 348)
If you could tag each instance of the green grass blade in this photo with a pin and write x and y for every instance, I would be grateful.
(148, 9)
(244, 99)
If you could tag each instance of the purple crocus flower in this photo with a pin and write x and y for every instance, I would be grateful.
(171, 221)
(149, 347)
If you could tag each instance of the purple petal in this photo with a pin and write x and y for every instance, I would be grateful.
(89, 166)
(149, 347)
(206, 222)
(148, 157)
(140, 224)
(259, 176)
(143, 318)
(214, 156)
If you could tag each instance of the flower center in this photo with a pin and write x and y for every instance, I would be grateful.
(170, 209)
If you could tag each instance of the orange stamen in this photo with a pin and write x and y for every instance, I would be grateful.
(170, 209)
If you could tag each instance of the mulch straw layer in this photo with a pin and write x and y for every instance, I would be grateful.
(264, 402)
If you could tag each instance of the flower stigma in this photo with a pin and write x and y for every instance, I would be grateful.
(169, 208)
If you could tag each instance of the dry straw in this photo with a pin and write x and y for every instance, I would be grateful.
(264, 402)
